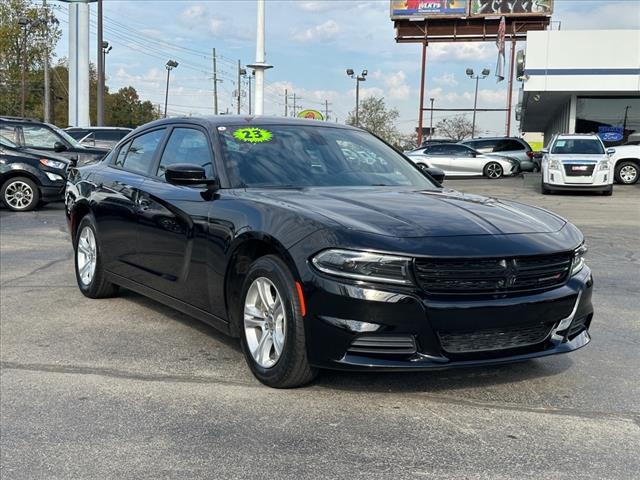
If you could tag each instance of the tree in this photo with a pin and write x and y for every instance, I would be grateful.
(27, 33)
(455, 128)
(375, 117)
(125, 109)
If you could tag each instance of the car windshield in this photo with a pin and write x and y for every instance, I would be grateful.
(5, 142)
(67, 137)
(581, 146)
(293, 156)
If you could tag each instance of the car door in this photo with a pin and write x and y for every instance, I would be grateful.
(465, 161)
(174, 221)
(117, 201)
(437, 156)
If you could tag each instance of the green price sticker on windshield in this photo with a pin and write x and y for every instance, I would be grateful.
(253, 135)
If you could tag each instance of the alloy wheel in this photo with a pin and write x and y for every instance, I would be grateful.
(628, 174)
(264, 322)
(87, 253)
(494, 170)
(19, 195)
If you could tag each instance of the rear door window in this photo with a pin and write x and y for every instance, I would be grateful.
(141, 152)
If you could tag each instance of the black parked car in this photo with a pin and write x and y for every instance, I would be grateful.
(322, 247)
(29, 178)
(48, 139)
(102, 137)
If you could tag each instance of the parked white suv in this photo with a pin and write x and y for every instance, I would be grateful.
(626, 164)
(577, 162)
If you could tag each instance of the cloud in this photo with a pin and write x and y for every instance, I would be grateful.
(610, 15)
(315, 6)
(368, 92)
(446, 79)
(461, 51)
(324, 31)
(397, 88)
(193, 14)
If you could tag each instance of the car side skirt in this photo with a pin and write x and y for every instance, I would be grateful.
(206, 317)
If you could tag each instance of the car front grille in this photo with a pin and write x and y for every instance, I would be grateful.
(493, 339)
(384, 344)
(492, 275)
(579, 170)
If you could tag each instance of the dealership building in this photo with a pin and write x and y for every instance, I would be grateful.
(581, 81)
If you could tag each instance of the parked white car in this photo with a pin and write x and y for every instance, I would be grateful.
(458, 160)
(626, 164)
(577, 162)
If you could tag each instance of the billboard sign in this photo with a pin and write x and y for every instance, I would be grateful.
(404, 9)
(511, 8)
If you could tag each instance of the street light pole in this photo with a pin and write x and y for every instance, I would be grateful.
(171, 64)
(485, 73)
(431, 120)
(359, 78)
(100, 92)
(260, 65)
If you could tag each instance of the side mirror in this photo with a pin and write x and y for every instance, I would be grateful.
(544, 150)
(611, 151)
(59, 147)
(189, 174)
(435, 173)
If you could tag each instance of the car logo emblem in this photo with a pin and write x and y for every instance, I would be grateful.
(510, 274)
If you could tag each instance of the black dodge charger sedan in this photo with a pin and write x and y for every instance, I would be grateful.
(322, 247)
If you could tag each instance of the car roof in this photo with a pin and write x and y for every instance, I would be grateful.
(248, 120)
(71, 129)
(578, 135)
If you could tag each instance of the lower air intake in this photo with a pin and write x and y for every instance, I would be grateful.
(493, 339)
(384, 344)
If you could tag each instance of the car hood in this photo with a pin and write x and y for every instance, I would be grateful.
(577, 157)
(41, 154)
(417, 213)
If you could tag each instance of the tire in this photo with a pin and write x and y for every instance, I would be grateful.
(93, 285)
(627, 173)
(608, 193)
(544, 190)
(42, 204)
(493, 170)
(290, 368)
(20, 194)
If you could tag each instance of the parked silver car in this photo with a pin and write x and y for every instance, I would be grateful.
(458, 160)
(511, 147)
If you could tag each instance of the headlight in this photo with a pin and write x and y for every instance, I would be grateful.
(604, 165)
(372, 267)
(52, 164)
(54, 177)
(578, 259)
(554, 165)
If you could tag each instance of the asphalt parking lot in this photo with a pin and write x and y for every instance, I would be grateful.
(127, 388)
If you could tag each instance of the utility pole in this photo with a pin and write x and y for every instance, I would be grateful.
(47, 87)
(239, 86)
(249, 78)
(294, 105)
(260, 66)
(431, 120)
(326, 110)
(24, 22)
(215, 84)
(100, 95)
(286, 103)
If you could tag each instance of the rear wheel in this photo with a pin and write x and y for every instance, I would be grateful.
(20, 194)
(88, 262)
(627, 173)
(493, 170)
(273, 338)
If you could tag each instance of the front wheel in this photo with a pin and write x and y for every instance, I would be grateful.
(627, 173)
(273, 338)
(493, 170)
(20, 194)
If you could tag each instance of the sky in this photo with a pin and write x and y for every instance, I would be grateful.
(310, 44)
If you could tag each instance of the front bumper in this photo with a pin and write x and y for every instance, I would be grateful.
(52, 190)
(337, 310)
